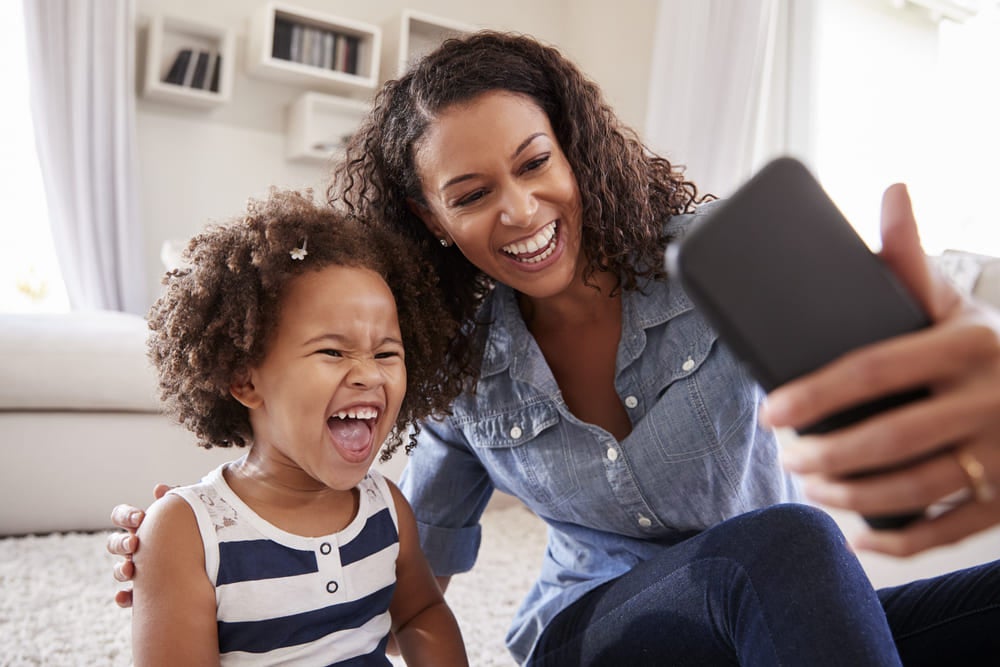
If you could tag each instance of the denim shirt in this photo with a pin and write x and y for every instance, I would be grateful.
(695, 457)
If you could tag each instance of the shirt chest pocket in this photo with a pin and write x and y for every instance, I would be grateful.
(684, 389)
(527, 452)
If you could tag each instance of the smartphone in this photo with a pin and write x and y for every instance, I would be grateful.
(789, 286)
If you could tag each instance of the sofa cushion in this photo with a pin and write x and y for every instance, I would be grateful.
(75, 361)
(988, 285)
(972, 273)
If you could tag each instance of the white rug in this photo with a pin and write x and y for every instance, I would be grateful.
(57, 607)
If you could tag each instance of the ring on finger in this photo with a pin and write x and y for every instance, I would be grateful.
(975, 472)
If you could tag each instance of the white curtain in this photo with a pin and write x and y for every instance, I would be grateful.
(729, 86)
(80, 60)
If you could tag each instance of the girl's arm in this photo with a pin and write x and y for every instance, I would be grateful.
(173, 604)
(426, 631)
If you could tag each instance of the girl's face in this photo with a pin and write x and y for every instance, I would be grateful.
(329, 389)
(498, 185)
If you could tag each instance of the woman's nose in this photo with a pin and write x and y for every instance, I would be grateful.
(518, 207)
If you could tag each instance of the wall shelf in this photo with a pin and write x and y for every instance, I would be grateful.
(413, 35)
(318, 125)
(305, 47)
(173, 74)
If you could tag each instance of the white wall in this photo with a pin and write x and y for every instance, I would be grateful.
(201, 165)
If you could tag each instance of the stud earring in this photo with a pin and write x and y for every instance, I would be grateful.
(445, 242)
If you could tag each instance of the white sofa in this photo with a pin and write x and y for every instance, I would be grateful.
(80, 428)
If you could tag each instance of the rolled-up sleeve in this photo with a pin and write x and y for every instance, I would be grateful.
(448, 488)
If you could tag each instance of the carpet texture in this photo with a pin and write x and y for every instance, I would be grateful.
(56, 591)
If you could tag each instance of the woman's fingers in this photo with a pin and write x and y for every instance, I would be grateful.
(933, 358)
(127, 517)
(124, 570)
(956, 524)
(913, 488)
(124, 598)
(122, 544)
(968, 411)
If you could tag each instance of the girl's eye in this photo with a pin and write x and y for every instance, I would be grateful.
(470, 198)
(386, 355)
(538, 162)
(331, 353)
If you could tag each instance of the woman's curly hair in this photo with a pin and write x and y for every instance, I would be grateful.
(627, 192)
(214, 320)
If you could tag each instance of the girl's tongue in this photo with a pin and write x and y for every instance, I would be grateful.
(351, 437)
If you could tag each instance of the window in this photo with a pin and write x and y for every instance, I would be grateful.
(29, 274)
(904, 95)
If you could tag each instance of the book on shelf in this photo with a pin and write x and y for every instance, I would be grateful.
(216, 73)
(200, 70)
(329, 43)
(340, 56)
(354, 45)
(282, 46)
(295, 44)
(178, 69)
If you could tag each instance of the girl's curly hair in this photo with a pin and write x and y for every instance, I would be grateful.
(214, 320)
(627, 192)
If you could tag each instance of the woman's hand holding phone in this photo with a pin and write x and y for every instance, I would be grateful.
(954, 433)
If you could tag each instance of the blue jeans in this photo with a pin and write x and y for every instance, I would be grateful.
(777, 586)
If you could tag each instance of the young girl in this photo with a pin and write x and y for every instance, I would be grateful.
(287, 335)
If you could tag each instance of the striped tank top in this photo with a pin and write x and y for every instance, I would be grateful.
(284, 598)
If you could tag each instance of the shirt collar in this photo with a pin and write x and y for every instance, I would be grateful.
(654, 303)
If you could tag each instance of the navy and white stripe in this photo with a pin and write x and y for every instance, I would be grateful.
(287, 598)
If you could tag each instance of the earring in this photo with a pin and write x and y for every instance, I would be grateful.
(445, 242)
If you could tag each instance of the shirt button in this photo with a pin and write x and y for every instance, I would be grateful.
(516, 432)
(688, 365)
(631, 401)
(644, 522)
(612, 454)
(325, 548)
(332, 586)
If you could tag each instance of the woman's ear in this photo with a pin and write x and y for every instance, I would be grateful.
(427, 217)
(244, 391)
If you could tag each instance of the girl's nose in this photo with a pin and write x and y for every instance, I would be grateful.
(364, 373)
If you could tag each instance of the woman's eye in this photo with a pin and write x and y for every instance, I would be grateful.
(532, 165)
(470, 198)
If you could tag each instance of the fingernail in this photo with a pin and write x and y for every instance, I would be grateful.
(133, 518)
(773, 410)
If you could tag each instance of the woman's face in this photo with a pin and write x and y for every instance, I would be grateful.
(498, 185)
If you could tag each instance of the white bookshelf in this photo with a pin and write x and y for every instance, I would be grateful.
(167, 37)
(261, 50)
(318, 125)
(412, 35)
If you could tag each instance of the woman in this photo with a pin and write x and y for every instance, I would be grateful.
(599, 397)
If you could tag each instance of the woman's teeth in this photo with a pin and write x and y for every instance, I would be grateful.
(357, 413)
(527, 251)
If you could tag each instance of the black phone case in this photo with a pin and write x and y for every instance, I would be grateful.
(789, 286)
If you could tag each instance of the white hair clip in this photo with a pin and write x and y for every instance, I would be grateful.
(300, 253)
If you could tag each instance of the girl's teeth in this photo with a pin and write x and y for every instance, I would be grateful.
(361, 413)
